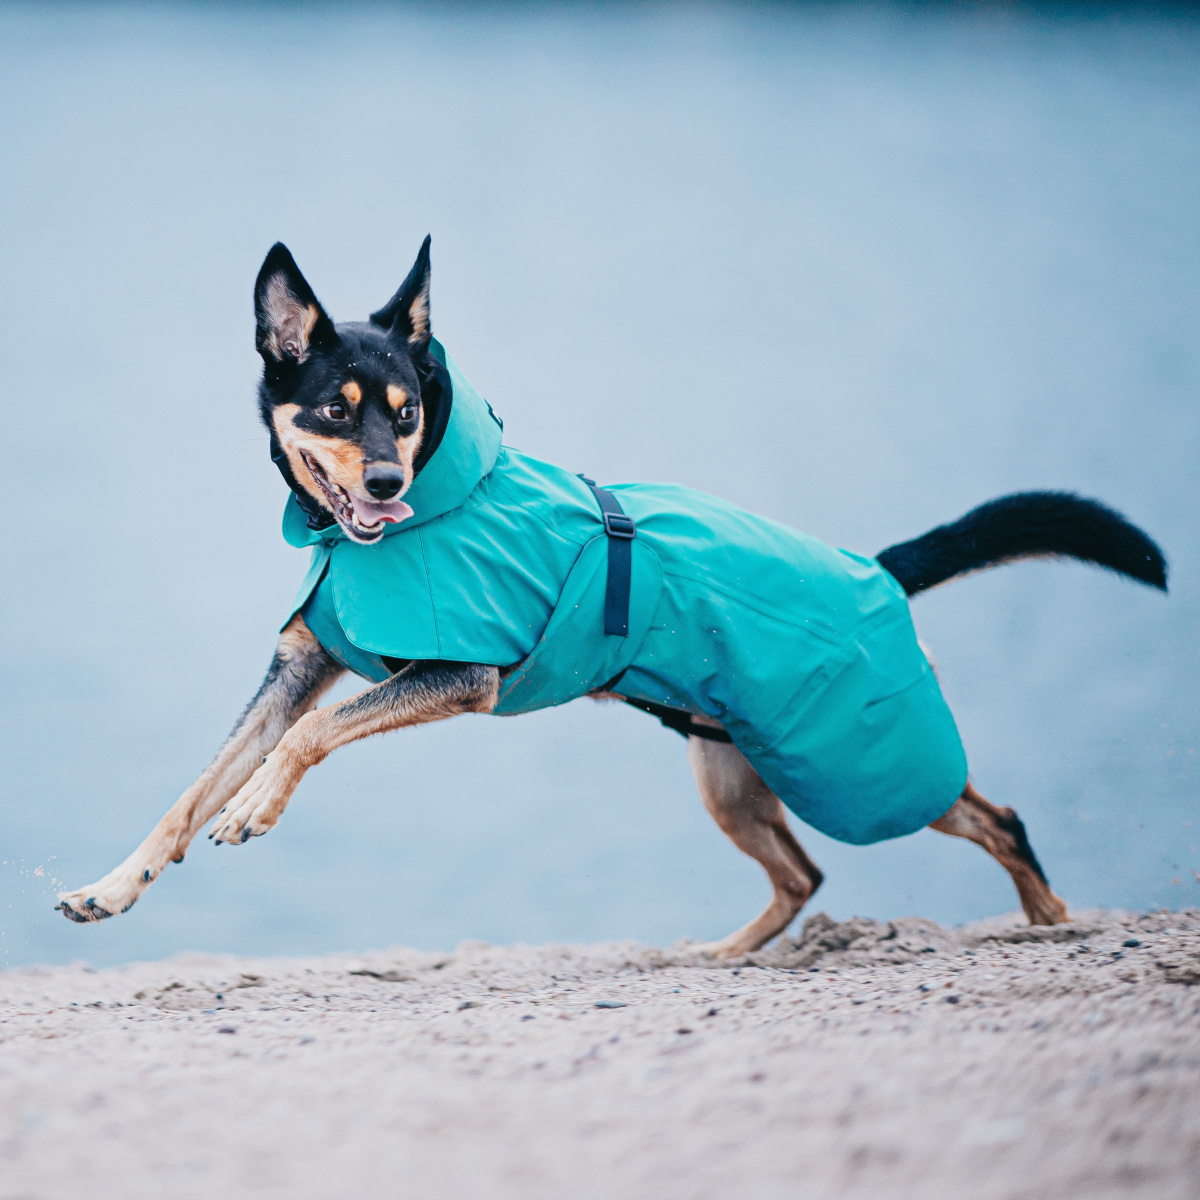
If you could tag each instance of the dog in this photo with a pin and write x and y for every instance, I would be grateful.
(460, 576)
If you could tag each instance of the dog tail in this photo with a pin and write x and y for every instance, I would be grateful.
(1026, 525)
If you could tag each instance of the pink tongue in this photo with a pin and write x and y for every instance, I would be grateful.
(370, 513)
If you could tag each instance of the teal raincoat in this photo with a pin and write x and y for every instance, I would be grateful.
(806, 654)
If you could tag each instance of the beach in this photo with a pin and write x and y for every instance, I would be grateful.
(860, 1058)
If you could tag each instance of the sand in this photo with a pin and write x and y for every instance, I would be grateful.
(883, 1059)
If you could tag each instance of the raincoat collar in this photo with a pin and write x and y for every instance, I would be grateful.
(466, 454)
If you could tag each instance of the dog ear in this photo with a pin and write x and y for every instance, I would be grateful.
(290, 317)
(406, 314)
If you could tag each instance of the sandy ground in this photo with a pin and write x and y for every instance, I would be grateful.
(861, 1059)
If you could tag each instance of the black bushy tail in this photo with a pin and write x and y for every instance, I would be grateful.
(1027, 525)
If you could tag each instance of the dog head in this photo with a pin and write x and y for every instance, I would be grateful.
(347, 404)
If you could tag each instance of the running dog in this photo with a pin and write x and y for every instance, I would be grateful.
(458, 575)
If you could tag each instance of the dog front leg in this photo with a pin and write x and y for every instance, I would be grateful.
(422, 692)
(299, 673)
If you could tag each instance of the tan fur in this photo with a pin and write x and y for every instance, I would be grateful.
(406, 449)
(418, 314)
(397, 397)
(353, 392)
(341, 460)
(753, 818)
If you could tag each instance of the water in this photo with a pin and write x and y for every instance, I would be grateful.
(857, 270)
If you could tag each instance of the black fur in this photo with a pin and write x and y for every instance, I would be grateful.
(430, 688)
(291, 682)
(1015, 828)
(1026, 525)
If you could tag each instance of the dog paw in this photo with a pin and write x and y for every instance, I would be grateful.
(1047, 910)
(725, 950)
(104, 899)
(256, 809)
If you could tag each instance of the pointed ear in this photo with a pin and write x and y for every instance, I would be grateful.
(290, 317)
(406, 314)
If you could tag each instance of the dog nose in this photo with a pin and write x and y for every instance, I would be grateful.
(383, 480)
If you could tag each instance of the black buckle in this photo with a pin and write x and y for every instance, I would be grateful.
(619, 525)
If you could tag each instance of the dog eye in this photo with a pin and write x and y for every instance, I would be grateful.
(407, 413)
(335, 411)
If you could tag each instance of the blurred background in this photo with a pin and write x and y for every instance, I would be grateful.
(854, 268)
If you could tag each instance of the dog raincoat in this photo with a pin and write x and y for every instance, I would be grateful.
(806, 654)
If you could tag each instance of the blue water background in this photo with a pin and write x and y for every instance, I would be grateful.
(857, 269)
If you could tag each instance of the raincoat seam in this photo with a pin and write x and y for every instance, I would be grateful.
(870, 704)
(562, 537)
(829, 637)
(437, 629)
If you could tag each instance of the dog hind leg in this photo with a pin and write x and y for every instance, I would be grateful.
(753, 818)
(1000, 832)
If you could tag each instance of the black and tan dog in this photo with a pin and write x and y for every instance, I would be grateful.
(355, 411)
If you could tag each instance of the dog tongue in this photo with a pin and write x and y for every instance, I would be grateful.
(370, 513)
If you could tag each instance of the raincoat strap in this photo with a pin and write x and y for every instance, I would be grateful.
(679, 719)
(621, 531)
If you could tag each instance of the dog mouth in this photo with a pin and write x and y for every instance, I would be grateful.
(363, 520)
